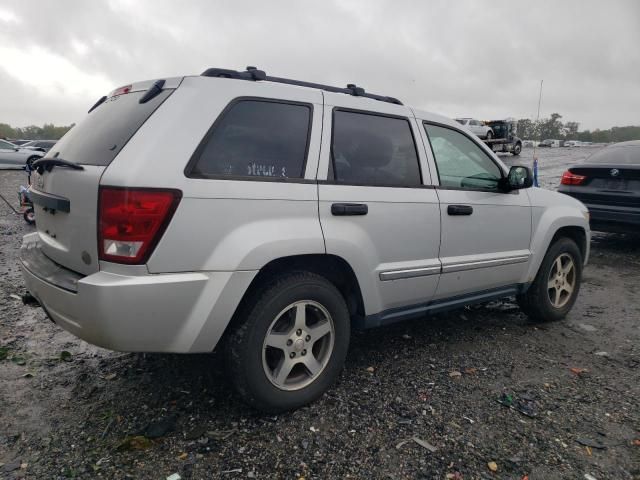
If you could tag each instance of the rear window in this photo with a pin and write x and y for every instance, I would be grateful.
(373, 150)
(106, 130)
(260, 139)
(618, 155)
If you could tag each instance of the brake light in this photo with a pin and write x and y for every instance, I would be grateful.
(132, 220)
(569, 178)
(120, 91)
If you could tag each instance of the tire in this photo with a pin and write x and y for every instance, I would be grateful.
(274, 318)
(30, 160)
(537, 301)
(489, 135)
(29, 216)
(517, 148)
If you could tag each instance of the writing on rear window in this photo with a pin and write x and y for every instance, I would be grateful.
(256, 138)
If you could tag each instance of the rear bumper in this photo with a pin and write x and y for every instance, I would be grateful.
(614, 219)
(177, 312)
(610, 218)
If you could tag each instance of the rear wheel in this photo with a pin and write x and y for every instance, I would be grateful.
(29, 216)
(555, 288)
(290, 343)
(517, 148)
(489, 135)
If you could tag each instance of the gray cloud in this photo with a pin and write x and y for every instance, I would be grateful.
(482, 59)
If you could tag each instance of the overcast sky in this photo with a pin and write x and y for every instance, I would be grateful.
(483, 59)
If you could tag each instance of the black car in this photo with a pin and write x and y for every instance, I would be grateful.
(608, 183)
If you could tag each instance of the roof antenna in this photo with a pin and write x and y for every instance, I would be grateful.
(535, 154)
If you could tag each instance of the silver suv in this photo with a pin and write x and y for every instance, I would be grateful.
(269, 216)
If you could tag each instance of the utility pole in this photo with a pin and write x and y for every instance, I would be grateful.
(535, 151)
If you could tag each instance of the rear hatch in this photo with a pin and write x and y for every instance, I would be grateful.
(611, 184)
(66, 196)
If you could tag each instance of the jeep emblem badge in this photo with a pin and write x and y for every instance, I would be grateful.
(614, 172)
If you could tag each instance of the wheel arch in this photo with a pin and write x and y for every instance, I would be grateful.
(548, 232)
(332, 267)
(575, 233)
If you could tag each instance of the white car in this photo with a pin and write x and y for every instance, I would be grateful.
(40, 145)
(14, 156)
(476, 127)
(280, 215)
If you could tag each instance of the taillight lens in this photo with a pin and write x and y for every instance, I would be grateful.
(132, 220)
(569, 178)
(120, 91)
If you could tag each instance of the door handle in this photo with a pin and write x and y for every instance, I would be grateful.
(459, 209)
(343, 209)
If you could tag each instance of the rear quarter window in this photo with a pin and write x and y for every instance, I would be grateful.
(257, 139)
(374, 150)
(103, 133)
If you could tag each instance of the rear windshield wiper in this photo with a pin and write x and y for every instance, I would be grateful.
(48, 164)
(97, 104)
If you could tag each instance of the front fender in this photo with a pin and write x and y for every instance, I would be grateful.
(547, 221)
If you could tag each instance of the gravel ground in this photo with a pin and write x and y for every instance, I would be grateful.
(573, 388)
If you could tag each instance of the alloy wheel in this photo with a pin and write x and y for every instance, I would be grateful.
(562, 280)
(298, 345)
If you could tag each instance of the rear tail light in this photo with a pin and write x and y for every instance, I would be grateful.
(132, 220)
(569, 178)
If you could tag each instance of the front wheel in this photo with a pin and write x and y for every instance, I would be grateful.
(290, 343)
(555, 288)
(30, 161)
(489, 135)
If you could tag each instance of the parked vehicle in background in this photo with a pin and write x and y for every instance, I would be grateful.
(550, 143)
(317, 221)
(608, 183)
(40, 145)
(477, 127)
(14, 156)
(505, 136)
(572, 143)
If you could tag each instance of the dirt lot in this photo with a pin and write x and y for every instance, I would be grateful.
(573, 387)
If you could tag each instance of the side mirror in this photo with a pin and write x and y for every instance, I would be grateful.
(519, 177)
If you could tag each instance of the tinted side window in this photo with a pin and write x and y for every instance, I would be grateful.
(460, 162)
(5, 145)
(256, 138)
(373, 150)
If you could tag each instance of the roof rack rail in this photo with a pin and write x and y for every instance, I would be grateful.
(253, 74)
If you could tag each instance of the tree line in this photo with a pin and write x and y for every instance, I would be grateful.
(554, 128)
(48, 131)
(528, 129)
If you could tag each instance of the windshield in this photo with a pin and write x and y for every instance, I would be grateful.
(617, 155)
(499, 129)
(106, 130)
